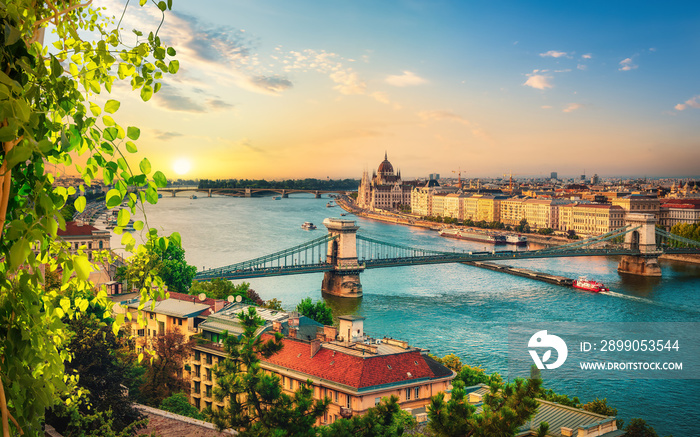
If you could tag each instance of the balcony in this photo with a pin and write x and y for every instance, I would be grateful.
(345, 412)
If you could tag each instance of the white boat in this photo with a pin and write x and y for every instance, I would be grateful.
(518, 240)
(582, 283)
(308, 226)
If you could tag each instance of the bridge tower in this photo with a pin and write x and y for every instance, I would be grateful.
(644, 240)
(344, 279)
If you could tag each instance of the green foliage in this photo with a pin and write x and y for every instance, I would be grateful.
(179, 404)
(106, 406)
(545, 231)
(600, 406)
(163, 260)
(220, 289)
(571, 235)
(50, 115)
(640, 428)
(319, 312)
(163, 376)
(685, 230)
(524, 226)
(506, 408)
(385, 420)
(451, 361)
(273, 304)
(257, 404)
(472, 376)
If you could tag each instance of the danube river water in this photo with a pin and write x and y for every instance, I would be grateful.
(452, 308)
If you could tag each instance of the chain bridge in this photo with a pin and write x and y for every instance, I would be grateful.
(343, 254)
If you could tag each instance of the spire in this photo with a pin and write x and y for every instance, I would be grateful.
(385, 158)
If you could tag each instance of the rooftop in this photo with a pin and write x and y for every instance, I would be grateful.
(173, 307)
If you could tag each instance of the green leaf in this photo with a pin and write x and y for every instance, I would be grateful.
(114, 198)
(138, 225)
(107, 120)
(112, 106)
(151, 195)
(131, 147)
(173, 66)
(19, 253)
(80, 203)
(18, 154)
(145, 166)
(95, 109)
(162, 6)
(65, 304)
(160, 179)
(111, 133)
(123, 217)
(171, 51)
(176, 239)
(133, 133)
(146, 93)
(163, 244)
(82, 267)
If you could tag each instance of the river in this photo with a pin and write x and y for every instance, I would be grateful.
(452, 308)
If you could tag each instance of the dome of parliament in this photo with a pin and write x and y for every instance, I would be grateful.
(385, 167)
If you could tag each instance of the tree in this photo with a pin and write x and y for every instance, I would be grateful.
(50, 114)
(273, 304)
(506, 408)
(640, 428)
(180, 404)
(385, 420)
(523, 226)
(319, 312)
(102, 377)
(257, 406)
(164, 374)
(163, 260)
(220, 288)
(600, 406)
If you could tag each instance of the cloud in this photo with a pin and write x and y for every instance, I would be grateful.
(270, 84)
(581, 67)
(693, 102)
(571, 107)
(546, 107)
(218, 104)
(539, 81)
(408, 78)
(348, 82)
(442, 115)
(170, 98)
(165, 136)
(553, 54)
(627, 64)
(587, 56)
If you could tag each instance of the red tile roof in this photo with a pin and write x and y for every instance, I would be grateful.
(352, 370)
(73, 229)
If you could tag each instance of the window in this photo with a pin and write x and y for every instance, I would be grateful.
(208, 391)
(336, 397)
(151, 316)
(208, 405)
(416, 392)
(141, 332)
(179, 322)
(197, 389)
(196, 403)
(408, 394)
(101, 244)
(208, 373)
(377, 401)
(197, 370)
(196, 355)
(291, 384)
(209, 358)
(347, 401)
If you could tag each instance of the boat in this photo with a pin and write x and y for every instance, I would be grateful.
(467, 234)
(308, 226)
(518, 240)
(193, 196)
(330, 205)
(342, 214)
(277, 198)
(582, 283)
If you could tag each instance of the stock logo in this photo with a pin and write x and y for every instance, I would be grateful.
(543, 340)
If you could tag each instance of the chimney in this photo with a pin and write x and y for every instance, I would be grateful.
(566, 432)
(219, 305)
(292, 332)
(330, 332)
(315, 347)
(277, 326)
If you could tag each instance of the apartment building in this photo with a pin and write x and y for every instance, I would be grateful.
(638, 203)
(590, 219)
(343, 364)
(679, 211)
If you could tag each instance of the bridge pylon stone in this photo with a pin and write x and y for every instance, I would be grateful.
(285, 194)
(344, 279)
(317, 195)
(644, 240)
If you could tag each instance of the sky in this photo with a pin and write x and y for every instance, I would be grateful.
(296, 89)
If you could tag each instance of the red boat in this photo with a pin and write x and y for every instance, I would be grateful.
(584, 284)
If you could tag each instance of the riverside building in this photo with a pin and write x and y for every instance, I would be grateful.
(385, 190)
(343, 364)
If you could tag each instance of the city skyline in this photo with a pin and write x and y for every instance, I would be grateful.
(306, 89)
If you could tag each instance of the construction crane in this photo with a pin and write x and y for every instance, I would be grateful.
(510, 184)
(459, 176)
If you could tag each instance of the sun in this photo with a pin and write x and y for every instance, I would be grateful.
(182, 166)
